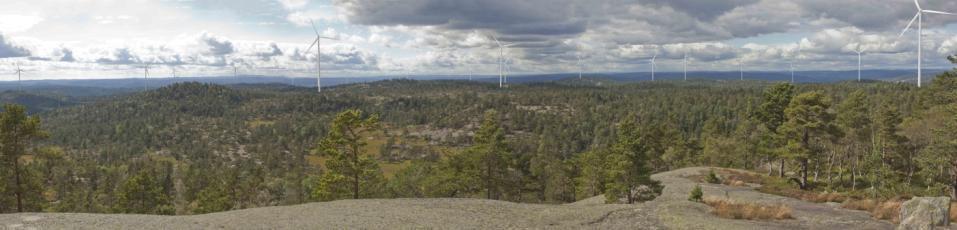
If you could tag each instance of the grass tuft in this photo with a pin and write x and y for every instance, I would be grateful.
(749, 211)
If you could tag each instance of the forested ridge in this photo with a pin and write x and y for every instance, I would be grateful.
(195, 148)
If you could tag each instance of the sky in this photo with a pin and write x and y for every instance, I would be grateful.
(72, 39)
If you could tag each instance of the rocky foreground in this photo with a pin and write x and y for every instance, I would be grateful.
(669, 211)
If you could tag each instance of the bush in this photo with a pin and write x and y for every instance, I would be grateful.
(713, 178)
(732, 210)
(696, 194)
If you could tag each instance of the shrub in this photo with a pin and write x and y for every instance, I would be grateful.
(713, 178)
(696, 194)
(733, 210)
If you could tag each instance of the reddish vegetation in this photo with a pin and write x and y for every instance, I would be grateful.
(735, 210)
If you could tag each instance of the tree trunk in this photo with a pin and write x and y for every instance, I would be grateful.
(781, 169)
(488, 177)
(18, 190)
(356, 170)
(804, 181)
(804, 160)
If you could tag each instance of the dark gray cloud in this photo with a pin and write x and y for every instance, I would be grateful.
(507, 17)
(218, 46)
(67, 55)
(702, 10)
(8, 49)
(274, 51)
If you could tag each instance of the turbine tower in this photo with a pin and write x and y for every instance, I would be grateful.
(686, 66)
(741, 68)
(146, 76)
(653, 66)
(581, 67)
(318, 45)
(920, 30)
(18, 72)
(501, 60)
(792, 72)
(860, 53)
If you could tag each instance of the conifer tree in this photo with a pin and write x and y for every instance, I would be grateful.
(350, 172)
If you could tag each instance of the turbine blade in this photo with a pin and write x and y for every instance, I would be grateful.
(909, 24)
(937, 12)
(314, 27)
(496, 40)
(336, 39)
(313, 44)
(917, 3)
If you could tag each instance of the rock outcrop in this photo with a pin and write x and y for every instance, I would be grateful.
(925, 213)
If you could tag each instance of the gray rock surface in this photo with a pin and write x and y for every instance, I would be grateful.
(925, 213)
(669, 211)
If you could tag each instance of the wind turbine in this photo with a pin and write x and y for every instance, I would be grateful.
(318, 45)
(581, 66)
(19, 71)
(686, 65)
(507, 70)
(792, 72)
(653, 66)
(741, 68)
(501, 60)
(860, 53)
(146, 76)
(920, 30)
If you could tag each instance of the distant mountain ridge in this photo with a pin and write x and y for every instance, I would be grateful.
(134, 84)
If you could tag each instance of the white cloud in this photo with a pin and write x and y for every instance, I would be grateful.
(12, 23)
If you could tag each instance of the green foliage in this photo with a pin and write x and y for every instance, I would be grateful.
(628, 164)
(696, 194)
(350, 172)
(18, 131)
(808, 119)
(256, 140)
(214, 198)
(592, 177)
(776, 99)
(712, 177)
(490, 151)
(143, 193)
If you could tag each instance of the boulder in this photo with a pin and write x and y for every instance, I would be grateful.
(925, 213)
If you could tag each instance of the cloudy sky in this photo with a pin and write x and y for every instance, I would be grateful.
(114, 38)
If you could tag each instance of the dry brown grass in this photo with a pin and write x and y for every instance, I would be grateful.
(953, 212)
(737, 210)
(862, 205)
(889, 210)
(743, 176)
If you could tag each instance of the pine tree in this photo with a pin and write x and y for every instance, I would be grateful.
(852, 117)
(18, 131)
(143, 193)
(549, 171)
(808, 120)
(490, 151)
(349, 170)
(771, 114)
(591, 173)
(891, 144)
(628, 166)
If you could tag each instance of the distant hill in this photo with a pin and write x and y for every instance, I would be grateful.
(100, 87)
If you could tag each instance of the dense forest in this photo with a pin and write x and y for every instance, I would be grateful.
(195, 148)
